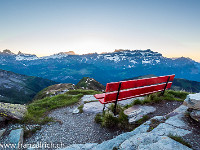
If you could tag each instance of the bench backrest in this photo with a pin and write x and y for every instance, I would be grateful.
(136, 88)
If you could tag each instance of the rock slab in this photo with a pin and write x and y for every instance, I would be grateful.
(193, 101)
(195, 114)
(16, 136)
(93, 107)
(136, 112)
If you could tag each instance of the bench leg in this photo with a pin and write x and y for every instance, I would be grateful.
(163, 92)
(104, 107)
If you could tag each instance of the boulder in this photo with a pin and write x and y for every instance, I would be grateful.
(16, 136)
(193, 101)
(12, 111)
(136, 112)
(195, 114)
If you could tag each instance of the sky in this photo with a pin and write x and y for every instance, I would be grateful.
(45, 27)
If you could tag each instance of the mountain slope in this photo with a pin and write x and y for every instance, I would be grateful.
(107, 67)
(90, 84)
(17, 88)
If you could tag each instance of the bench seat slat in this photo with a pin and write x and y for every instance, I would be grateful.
(130, 93)
(99, 96)
(113, 86)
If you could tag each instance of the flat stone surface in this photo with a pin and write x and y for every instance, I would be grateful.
(193, 101)
(88, 98)
(195, 114)
(93, 107)
(151, 141)
(87, 146)
(136, 112)
(16, 136)
(129, 101)
(166, 129)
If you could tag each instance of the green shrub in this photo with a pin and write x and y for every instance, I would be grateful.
(98, 118)
(109, 120)
(137, 102)
(112, 107)
(178, 94)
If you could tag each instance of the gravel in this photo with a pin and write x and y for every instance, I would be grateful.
(72, 128)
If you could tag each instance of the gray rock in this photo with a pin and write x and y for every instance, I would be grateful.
(16, 136)
(151, 141)
(87, 146)
(93, 107)
(136, 112)
(75, 111)
(195, 114)
(2, 132)
(166, 129)
(88, 98)
(12, 111)
(193, 101)
(129, 101)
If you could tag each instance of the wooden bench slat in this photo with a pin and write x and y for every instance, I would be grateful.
(99, 96)
(136, 92)
(113, 86)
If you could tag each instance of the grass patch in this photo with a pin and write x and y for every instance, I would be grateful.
(83, 92)
(38, 109)
(169, 95)
(142, 120)
(180, 140)
(157, 97)
(90, 101)
(80, 108)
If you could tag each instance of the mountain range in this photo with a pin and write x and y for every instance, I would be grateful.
(67, 67)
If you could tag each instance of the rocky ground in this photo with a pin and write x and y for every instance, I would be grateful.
(80, 129)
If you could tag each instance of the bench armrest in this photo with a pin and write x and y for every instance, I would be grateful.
(99, 96)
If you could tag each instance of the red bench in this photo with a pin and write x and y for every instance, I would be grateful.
(118, 91)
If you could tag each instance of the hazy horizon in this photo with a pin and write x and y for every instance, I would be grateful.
(46, 27)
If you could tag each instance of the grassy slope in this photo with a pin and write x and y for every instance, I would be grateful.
(38, 109)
